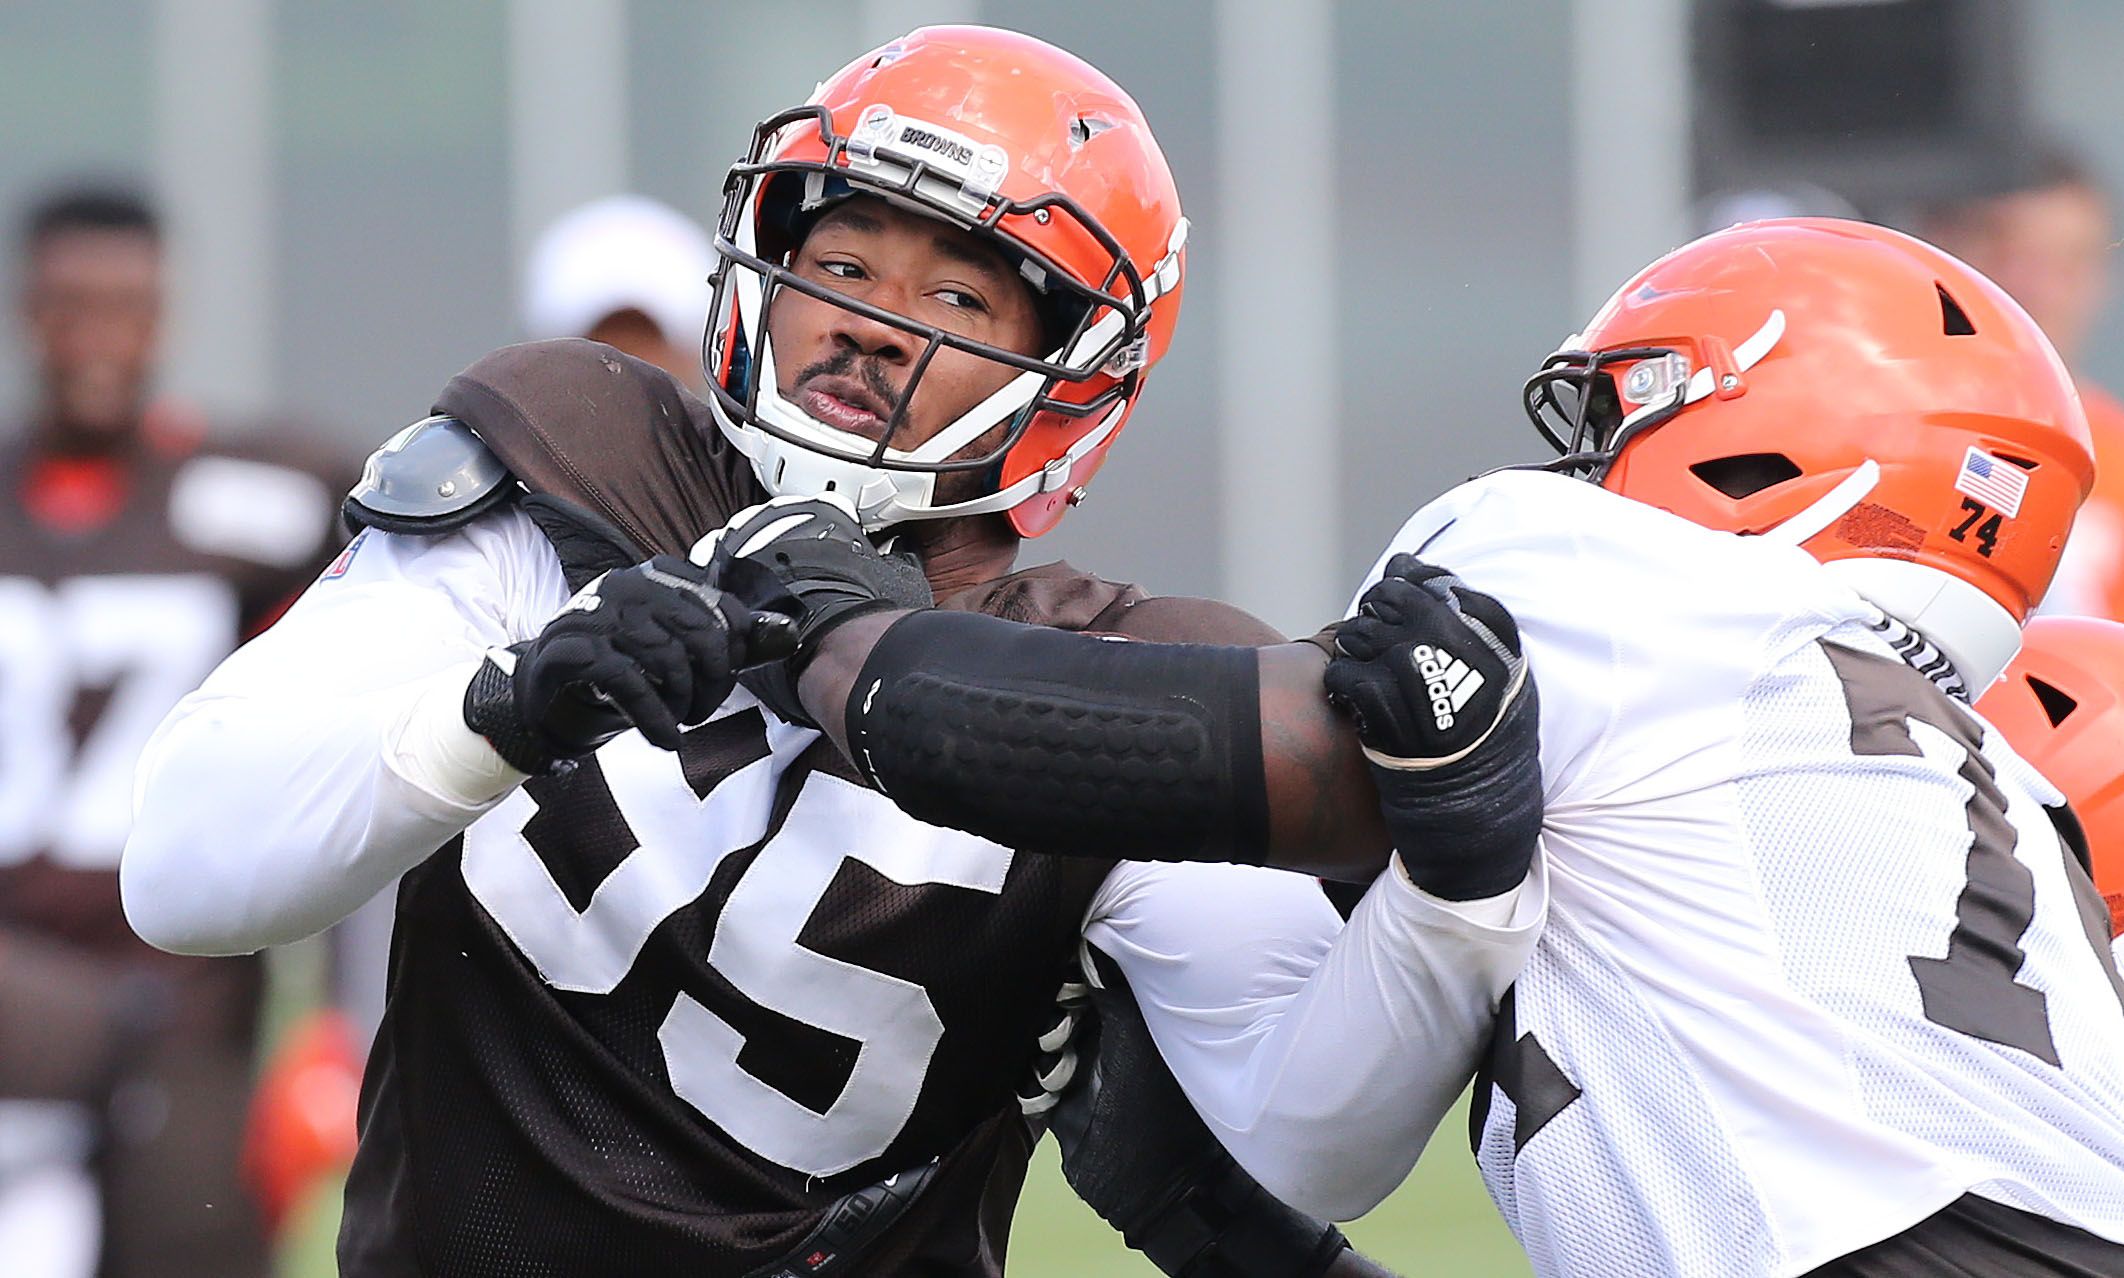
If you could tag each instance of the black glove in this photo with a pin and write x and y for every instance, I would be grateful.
(1135, 1151)
(652, 647)
(815, 550)
(1446, 709)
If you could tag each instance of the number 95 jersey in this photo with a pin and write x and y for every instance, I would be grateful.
(1817, 962)
(654, 1015)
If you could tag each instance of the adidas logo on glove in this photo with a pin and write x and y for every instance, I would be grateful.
(1449, 680)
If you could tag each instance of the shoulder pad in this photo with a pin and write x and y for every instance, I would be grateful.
(429, 478)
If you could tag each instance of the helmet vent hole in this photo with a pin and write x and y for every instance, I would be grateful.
(1086, 127)
(2023, 462)
(1954, 321)
(2056, 704)
(1746, 474)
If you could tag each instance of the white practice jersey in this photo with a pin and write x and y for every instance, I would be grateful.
(1815, 965)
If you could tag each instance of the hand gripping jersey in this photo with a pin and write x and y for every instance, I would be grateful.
(1816, 961)
(654, 1015)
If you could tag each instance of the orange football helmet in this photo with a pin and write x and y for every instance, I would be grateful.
(1848, 389)
(1012, 139)
(2061, 707)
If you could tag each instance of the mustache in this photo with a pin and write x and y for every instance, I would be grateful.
(846, 363)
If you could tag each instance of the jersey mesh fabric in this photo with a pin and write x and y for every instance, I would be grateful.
(518, 1121)
(2046, 1138)
(535, 1131)
(1855, 865)
(1679, 1203)
(1771, 1093)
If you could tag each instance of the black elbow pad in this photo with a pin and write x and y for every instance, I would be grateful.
(1051, 741)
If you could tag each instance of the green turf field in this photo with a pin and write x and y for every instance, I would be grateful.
(1440, 1223)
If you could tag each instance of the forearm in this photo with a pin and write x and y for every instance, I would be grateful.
(1326, 1081)
(261, 820)
(1270, 739)
(1323, 812)
(829, 682)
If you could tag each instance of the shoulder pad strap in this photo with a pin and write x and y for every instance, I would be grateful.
(587, 545)
(429, 478)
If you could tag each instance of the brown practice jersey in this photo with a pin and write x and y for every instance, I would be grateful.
(850, 995)
(123, 580)
(122, 583)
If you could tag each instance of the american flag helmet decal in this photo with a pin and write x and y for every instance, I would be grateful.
(1993, 480)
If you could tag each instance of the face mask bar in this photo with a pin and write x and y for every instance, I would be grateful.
(1085, 350)
(1591, 429)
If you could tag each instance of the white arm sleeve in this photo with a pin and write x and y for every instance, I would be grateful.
(286, 791)
(1321, 1055)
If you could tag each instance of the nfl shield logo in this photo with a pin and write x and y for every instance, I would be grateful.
(345, 560)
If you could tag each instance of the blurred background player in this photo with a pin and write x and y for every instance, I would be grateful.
(132, 558)
(627, 271)
(2060, 705)
(2047, 237)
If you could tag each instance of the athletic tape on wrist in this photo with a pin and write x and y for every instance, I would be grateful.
(436, 750)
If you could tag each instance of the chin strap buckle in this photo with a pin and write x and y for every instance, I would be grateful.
(1132, 356)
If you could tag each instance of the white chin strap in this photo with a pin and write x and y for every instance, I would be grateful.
(1829, 507)
(830, 460)
(884, 497)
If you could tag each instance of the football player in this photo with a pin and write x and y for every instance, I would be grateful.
(133, 556)
(1821, 990)
(679, 988)
(2060, 704)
